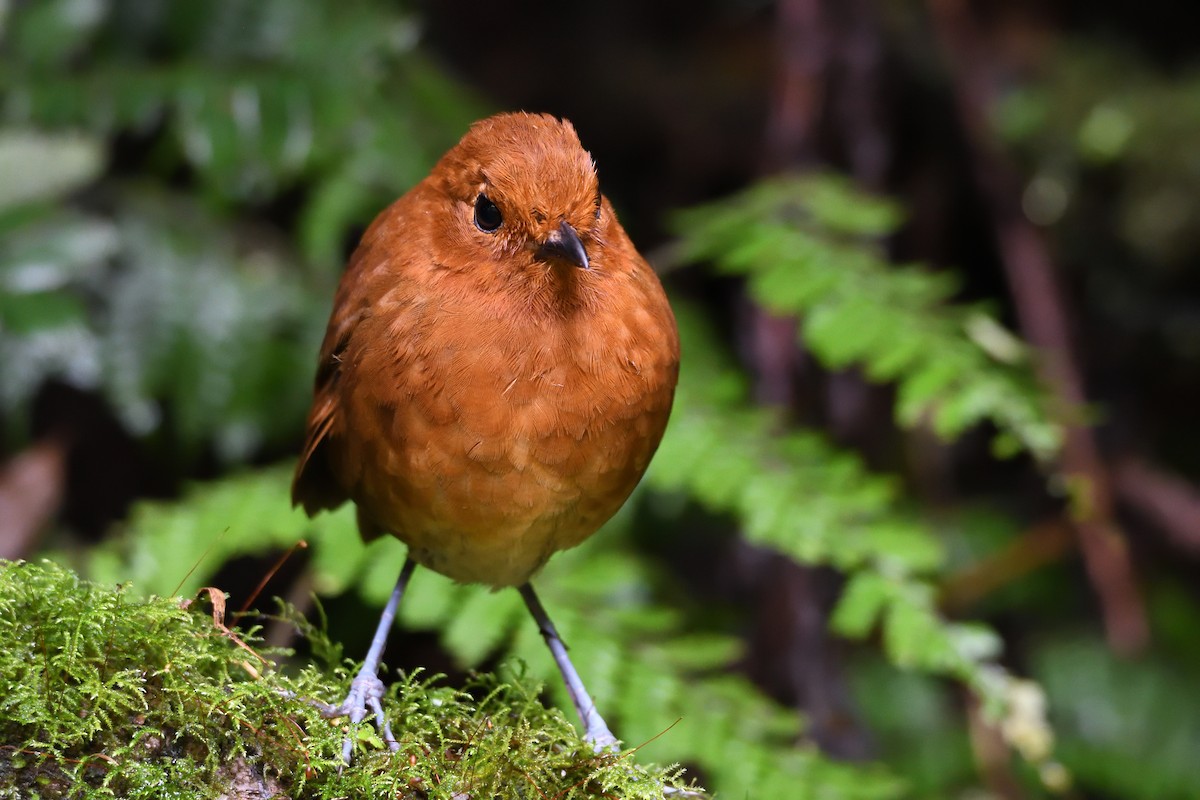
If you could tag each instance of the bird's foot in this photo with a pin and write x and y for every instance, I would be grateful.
(366, 691)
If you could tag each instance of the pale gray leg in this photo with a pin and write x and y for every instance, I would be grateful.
(367, 689)
(595, 729)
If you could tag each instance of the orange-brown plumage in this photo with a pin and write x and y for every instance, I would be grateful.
(480, 395)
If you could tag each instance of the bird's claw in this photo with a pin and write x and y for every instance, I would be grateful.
(364, 688)
(366, 691)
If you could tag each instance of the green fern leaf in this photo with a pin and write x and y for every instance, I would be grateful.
(805, 245)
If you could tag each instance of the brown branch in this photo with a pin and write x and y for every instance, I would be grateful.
(31, 491)
(991, 753)
(861, 106)
(799, 88)
(802, 53)
(1168, 501)
(1043, 544)
(1041, 310)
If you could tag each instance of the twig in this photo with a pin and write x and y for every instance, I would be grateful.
(1170, 502)
(1038, 546)
(799, 90)
(991, 753)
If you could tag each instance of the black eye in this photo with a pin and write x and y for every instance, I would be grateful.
(487, 216)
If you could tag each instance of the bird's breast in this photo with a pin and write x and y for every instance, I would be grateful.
(495, 441)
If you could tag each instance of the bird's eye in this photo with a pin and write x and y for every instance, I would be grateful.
(487, 217)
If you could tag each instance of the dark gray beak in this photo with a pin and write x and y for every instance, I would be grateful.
(564, 243)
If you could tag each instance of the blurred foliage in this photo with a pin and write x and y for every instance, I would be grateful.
(163, 311)
(918, 725)
(256, 98)
(178, 184)
(196, 322)
(1103, 108)
(1117, 717)
(1107, 139)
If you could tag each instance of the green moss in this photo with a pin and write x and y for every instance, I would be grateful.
(103, 695)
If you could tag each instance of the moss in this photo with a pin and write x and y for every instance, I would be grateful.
(103, 695)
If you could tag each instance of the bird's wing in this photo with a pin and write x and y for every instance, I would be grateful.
(314, 485)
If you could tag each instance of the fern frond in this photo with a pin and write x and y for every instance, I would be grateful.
(808, 246)
(793, 492)
(161, 310)
(790, 489)
(175, 548)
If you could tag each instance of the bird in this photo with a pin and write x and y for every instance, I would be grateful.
(496, 374)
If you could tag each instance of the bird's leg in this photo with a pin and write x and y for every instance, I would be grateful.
(595, 729)
(367, 689)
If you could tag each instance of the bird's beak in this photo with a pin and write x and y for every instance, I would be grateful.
(564, 243)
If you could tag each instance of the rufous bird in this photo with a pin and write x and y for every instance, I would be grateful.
(495, 377)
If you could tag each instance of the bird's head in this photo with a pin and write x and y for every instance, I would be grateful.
(525, 197)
